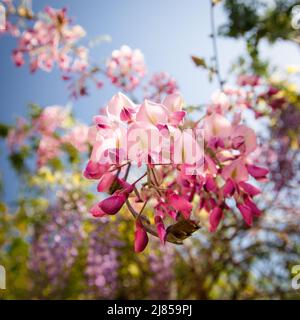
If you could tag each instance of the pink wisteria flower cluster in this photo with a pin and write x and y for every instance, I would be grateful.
(250, 92)
(216, 180)
(52, 40)
(126, 67)
(51, 131)
(160, 83)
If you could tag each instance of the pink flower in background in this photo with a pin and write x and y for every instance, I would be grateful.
(250, 80)
(160, 84)
(50, 119)
(220, 103)
(11, 29)
(78, 137)
(125, 68)
(17, 136)
(52, 40)
(48, 149)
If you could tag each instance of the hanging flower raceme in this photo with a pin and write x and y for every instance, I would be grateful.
(160, 84)
(125, 68)
(186, 167)
(50, 132)
(52, 40)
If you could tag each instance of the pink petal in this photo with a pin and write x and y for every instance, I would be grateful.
(176, 117)
(116, 105)
(105, 182)
(216, 125)
(228, 188)
(102, 122)
(126, 114)
(249, 188)
(210, 184)
(247, 136)
(94, 170)
(236, 171)
(126, 187)
(153, 113)
(215, 218)
(173, 102)
(96, 211)
(160, 229)
(179, 203)
(246, 213)
(257, 172)
(210, 165)
(253, 207)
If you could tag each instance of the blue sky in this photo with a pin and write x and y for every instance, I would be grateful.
(167, 31)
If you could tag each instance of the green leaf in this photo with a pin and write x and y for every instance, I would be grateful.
(73, 154)
(17, 161)
(4, 129)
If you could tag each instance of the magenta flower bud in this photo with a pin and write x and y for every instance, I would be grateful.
(140, 237)
(246, 213)
(215, 218)
(257, 172)
(113, 204)
(160, 229)
(96, 211)
(127, 187)
(94, 170)
(105, 182)
(249, 189)
(228, 188)
(210, 184)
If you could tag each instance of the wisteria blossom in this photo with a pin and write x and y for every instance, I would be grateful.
(50, 128)
(55, 246)
(162, 273)
(160, 84)
(103, 261)
(126, 67)
(52, 40)
(171, 187)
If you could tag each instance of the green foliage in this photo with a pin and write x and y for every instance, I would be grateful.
(258, 20)
(4, 129)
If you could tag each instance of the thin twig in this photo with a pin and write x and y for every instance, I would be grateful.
(214, 44)
(147, 226)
